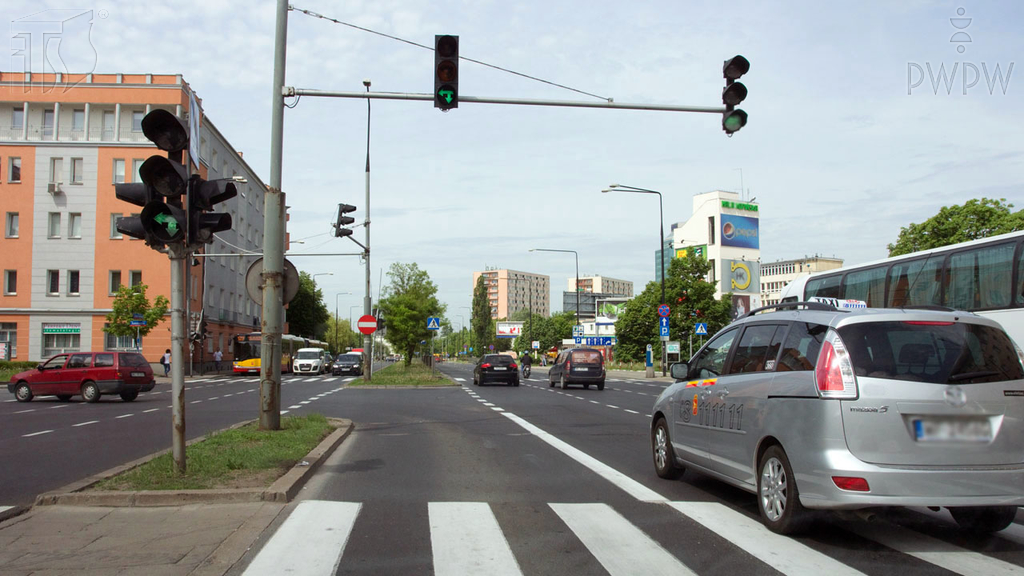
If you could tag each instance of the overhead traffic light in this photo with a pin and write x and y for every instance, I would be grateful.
(161, 222)
(339, 226)
(446, 72)
(203, 195)
(734, 93)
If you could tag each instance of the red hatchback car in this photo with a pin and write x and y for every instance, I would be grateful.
(90, 374)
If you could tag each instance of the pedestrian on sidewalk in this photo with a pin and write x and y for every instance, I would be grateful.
(166, 361)
(217, 357)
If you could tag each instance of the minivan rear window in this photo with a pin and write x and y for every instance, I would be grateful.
(938, 353)
(132, 359)
(586, 357)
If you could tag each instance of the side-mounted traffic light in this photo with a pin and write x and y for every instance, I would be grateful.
(339, 226)
(446, 72)
(161, 222)
(734, 93)
(203, 195)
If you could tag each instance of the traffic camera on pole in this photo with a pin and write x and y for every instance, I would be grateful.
(339, 226)
(203, 195)
(734, 93)
(161, 222)
(446, 72)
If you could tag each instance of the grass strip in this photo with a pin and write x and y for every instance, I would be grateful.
(241, 458)
(398, 374)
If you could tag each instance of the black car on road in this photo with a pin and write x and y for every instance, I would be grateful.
(578, 366)
(496, 368)
(347, 364)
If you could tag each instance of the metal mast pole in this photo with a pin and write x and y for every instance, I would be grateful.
(367, 339)
(661, 221)
(273, 243)
(177, 256)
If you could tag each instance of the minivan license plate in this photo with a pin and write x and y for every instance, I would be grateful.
(138, 374)
(958, 430)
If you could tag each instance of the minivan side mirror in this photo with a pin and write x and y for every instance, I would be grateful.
(679, 370)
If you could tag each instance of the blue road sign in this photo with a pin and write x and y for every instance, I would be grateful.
(663, 326)
(433, 323)
(134, 323)
(596, 340)
(137, 315)
(701, 329)
(664, 310)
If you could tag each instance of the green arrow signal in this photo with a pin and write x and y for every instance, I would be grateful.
(168, 221)
(446, 94)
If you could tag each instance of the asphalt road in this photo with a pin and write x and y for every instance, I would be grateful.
(536, 480)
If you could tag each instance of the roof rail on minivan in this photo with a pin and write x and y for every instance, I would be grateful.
(792, 306)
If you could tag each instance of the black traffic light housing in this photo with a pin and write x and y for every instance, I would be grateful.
(339, 226)
(446, 72)
(203, 195)
(734, 92)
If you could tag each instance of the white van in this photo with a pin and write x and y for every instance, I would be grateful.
(310, 361)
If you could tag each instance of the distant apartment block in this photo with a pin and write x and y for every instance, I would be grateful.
(601, 285)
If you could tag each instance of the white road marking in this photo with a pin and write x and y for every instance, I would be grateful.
(214, 398)
(25, 411)
(612, 406)
(631, 411)
(312, 379)
(780, 552)
(196, 402)
(150, 410)
(294, 407)
(5, 508)
(496, 409)
(228, 395)
(460, 379)
(284, 411)
(309, 542)
(123, 416)
(36, 434)
(465, 539)
(61, 406)
(84, 423)
(622, 548)
(304, 402)
(331, 379)
(488, 404)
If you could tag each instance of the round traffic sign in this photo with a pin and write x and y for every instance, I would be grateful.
(663, 310)
(367, 324)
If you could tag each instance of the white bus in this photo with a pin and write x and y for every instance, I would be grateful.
(982, 276)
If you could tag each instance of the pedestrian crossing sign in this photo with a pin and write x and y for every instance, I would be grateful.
(433, 323)
(701, 329)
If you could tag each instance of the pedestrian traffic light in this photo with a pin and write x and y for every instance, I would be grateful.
(734, 93)
(161, 222)
(203, 195)
(339, 226)
(446, 72)
(380, 323)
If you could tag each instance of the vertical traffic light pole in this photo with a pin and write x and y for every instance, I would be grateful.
(367, 338)
(176, 253)
(273, 244)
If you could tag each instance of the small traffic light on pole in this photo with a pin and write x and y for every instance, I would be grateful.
(339, 226)
(446, 72)
(161, 222)
(734, 93)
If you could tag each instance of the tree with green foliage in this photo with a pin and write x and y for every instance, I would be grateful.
(408, 302)
(480, 321)
(341, 336)
(307, 313)
(688, 294)
(954, 224)
(132, 300)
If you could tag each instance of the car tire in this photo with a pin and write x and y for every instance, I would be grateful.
(90, 392)
(984, 519)
(562, 383)
(600, 385)
(129, 395)
(664, 460)
(586, 386)
(475, 381)
(64, 397)
(551, 383)
(778, 499)
(516, 382)
(23, 392)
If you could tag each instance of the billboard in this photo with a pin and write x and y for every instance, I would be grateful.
(740, 276)
(739, 231)
(609, 310)
(509, 329)
(740, 305)
(697, 251)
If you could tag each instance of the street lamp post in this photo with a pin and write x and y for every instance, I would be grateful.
(577, 276)
(351, 323)
(337, 320)
(661, 246)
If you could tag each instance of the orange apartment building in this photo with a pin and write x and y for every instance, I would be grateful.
(65, 140)
(509, 291)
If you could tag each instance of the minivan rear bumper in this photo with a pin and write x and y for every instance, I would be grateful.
(910, 486)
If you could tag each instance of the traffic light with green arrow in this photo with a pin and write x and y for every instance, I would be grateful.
(734, 93)
(446, 72)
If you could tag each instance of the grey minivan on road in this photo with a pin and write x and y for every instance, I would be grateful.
(810, 406)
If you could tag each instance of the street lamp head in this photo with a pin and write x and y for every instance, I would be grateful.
(607, 190)
(533, 249)
(614, 185)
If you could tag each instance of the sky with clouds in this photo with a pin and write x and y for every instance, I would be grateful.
(847, 140)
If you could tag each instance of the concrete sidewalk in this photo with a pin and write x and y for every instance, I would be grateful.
(200, 539)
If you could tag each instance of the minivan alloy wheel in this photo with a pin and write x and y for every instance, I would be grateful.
(773, 489)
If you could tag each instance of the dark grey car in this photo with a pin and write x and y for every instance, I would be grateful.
(496, 368)
(347, 364)
(812, 407)
(581, 366)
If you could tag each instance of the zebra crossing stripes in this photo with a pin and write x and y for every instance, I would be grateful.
(465, 539)
(311, 540)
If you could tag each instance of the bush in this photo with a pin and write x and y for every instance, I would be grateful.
(8, 369)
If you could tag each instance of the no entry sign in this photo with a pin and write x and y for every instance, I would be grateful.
(367, 324)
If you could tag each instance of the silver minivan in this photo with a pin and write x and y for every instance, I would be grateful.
(812, 407)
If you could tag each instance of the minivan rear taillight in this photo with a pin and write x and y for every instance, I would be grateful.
(834, 371)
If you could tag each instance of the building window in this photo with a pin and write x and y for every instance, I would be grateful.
(47, 123)
(14, 171)
(9, 334)
(118, 171)
(54, 229)
(10, 282)
(56, 170)
(136, 167)
(711, 230)
(77, 169)
(135, 277)
(53, 282)
(73, 288)
(75, 225)
(11, 228)
(213, 159)
(114, 233)
(54, 344)
(115, 281)
(137, 116)
(112, 342)
(108, 125)
(18, 119)
(78, 120)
